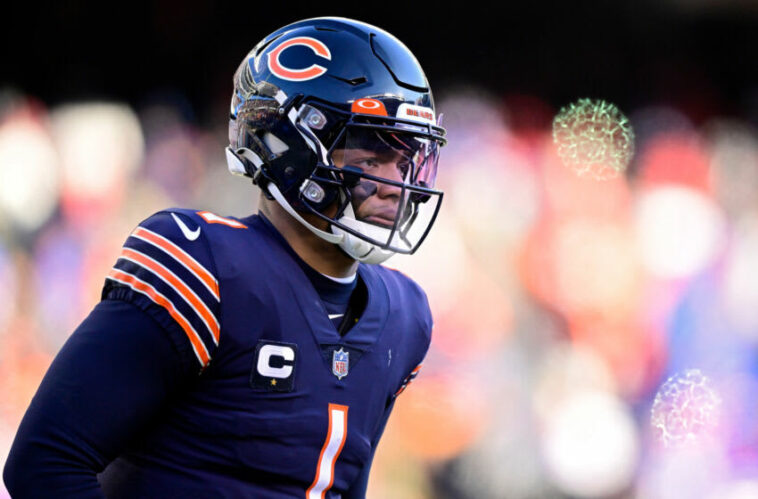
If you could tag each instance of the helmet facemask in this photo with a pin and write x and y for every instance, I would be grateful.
(382, 171)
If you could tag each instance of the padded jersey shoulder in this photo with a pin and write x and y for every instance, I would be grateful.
(407, 297)
(407, 294)
(167, 267)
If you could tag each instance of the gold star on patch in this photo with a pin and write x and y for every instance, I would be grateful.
(273, 382)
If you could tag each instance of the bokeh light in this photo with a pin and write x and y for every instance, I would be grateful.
(442, 405)
(680, 230)
(100, 146)
(738, 489)
(590, 445)
(740, 294)
(684, 472)
(29, 176)
(9, 288)
(594, 138)
(734, 165)
(675, 158)
(686, 410)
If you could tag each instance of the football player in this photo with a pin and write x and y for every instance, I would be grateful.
(259, 356)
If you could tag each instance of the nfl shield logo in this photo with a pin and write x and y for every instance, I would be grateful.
(340, 363)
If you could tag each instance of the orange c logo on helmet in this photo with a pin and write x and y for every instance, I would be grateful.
(285, 73)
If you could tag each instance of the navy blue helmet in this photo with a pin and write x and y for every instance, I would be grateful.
(335, 117)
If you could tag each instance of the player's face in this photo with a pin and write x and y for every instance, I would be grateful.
(376, 202)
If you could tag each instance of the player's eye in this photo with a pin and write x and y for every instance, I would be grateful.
(366, 162)
(404, 167)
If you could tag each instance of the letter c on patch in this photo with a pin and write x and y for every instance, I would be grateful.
(285, 73)
(264, 361)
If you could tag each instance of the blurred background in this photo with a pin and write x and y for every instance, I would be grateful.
(562, 304)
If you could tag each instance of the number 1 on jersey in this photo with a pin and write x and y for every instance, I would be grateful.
(335, 440)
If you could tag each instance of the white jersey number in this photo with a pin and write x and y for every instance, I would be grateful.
(335, 440)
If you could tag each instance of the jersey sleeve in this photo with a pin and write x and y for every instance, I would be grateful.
(166, 268)
(110, 380)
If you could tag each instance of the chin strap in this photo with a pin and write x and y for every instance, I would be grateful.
(357, 248)
(361, 250)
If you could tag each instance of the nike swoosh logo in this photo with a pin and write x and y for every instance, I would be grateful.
(189, 234)
(334, 316)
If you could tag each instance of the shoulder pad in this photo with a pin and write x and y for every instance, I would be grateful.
(166, 261)
(409, 298)
(411, 294)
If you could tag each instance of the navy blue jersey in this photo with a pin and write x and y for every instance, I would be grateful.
(278, 404)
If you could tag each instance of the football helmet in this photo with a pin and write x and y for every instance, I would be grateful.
(334, 117)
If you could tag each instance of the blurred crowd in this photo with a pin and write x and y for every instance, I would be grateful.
(561, 303)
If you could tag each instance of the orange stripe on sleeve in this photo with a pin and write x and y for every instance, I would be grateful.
(182, 289)
(181, 256)
(159, 299)
(408, 380)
